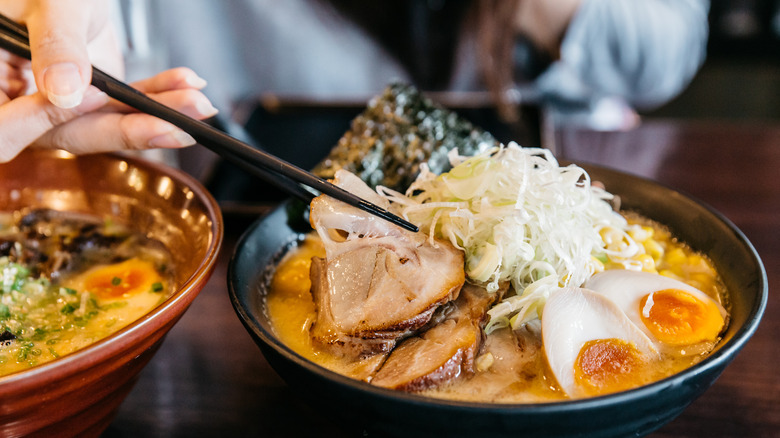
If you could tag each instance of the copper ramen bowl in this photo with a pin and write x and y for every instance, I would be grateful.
(631, 413)
(78, 394)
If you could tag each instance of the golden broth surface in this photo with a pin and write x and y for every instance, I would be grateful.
(505, 373)
(46, 314)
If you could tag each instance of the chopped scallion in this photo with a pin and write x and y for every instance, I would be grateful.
(67, 309)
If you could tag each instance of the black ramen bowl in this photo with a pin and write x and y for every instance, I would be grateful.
(631, 413)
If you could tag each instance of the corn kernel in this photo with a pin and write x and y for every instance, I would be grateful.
(639, 234)
(654, 248)
(700, 265)
(648, 264)
(670, 274)
(705, 281)
(611, 236)
(676, 258)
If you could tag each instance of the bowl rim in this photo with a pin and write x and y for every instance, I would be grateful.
(112, 344)
(718, 359)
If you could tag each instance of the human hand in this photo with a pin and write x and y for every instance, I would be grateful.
(99, 124)
(49, 103)
(66, 38)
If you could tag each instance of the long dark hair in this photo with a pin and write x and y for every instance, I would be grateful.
(421, 34)
(494, 31)
(424, 34)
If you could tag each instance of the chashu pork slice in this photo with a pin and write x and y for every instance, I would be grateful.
(443, 352)
(378, 282)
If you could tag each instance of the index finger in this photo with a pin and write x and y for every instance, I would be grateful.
(27, 118)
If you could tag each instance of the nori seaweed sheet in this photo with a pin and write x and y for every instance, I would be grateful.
(399, 130)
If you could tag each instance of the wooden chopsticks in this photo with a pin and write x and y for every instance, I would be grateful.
(288, 177)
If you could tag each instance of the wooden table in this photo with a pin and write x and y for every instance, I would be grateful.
(209, 379)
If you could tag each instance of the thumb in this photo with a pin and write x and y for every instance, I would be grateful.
(58, 42)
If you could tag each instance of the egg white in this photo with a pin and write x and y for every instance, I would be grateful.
(627, 288)
(574, 316)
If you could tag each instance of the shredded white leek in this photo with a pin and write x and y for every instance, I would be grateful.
(519, 217)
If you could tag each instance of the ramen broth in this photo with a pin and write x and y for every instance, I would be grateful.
(69, 280)
(510, 366)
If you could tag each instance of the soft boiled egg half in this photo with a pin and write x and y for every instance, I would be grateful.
(675, 315)
(606, 336)
(591, 346)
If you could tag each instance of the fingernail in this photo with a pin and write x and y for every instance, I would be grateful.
(206, 109)
(63, 84)
(195, 81)
(93, 99)
(173, 139)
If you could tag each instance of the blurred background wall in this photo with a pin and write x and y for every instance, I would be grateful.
(741, 77)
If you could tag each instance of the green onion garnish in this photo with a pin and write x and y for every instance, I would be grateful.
(67, 308)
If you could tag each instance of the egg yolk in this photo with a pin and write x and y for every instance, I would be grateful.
(608, 365)
(123, 279)
(679, 318)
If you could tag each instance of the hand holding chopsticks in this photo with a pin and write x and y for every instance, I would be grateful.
(67, 112)
(14, 38)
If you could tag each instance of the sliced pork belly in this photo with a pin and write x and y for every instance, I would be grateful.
(444, 351)
(513, 372)
(378, 282)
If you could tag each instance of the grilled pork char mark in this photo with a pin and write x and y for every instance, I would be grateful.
(378, 282)
(443, 352)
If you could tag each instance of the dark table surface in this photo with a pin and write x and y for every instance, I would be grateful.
(209, 378)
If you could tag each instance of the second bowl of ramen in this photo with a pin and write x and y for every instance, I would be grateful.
(101, 255)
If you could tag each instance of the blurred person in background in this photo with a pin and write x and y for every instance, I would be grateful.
(593, 62)
(589, 61)
(567, 54)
